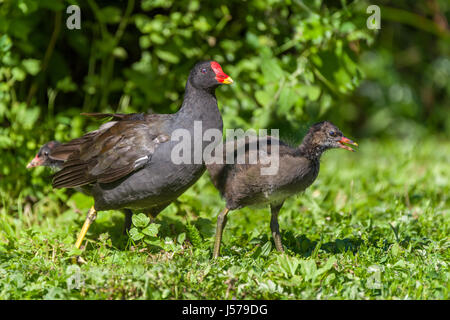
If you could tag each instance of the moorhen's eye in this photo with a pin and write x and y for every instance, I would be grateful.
(46, 153)
(333, 133)
(203, 70)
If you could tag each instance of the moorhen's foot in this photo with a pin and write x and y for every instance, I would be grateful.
(221, 222)
(91, 216)
(277, 240)
(78, 260)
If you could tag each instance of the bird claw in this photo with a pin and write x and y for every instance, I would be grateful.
(78, 260)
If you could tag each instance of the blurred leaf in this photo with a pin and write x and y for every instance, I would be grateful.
(110, 14)
(287, 100)
(32, 66)
(167, 56)
(135, 234)
(151, 230)
(18, 74)
(309, 269)
(66, 85)
(181, 237)
(271, 70)
(263, 98)
(140, 220)
(266, 249)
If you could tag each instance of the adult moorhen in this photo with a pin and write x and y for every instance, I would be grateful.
(128, 162)
(42, 158)
(243, 184)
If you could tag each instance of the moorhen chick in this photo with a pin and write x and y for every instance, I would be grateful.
(42, 158)
(128, 162)
(243, 184)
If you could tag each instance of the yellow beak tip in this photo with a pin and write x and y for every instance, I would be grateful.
(228, 80)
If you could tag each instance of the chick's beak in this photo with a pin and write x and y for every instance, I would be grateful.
(344, 141)
(35, 162)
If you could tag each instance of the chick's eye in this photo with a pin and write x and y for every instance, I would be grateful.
(333, 133)
(46, 153)
(203, 70)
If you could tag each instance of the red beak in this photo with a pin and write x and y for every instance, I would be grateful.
(35, 162)
(221, 76)
(347, 141)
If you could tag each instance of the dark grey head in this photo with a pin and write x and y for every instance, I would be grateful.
(323, 136)
(42, 157)
(208, 75)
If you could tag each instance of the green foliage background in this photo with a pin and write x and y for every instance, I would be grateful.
(293, 62)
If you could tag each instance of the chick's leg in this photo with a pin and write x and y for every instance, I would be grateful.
(275, 227)
(221, 222)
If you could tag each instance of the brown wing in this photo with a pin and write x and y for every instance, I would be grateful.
(113, 151)
(63, 152)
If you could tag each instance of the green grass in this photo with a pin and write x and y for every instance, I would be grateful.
(374, 225)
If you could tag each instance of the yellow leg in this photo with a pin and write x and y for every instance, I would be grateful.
(92, 214)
